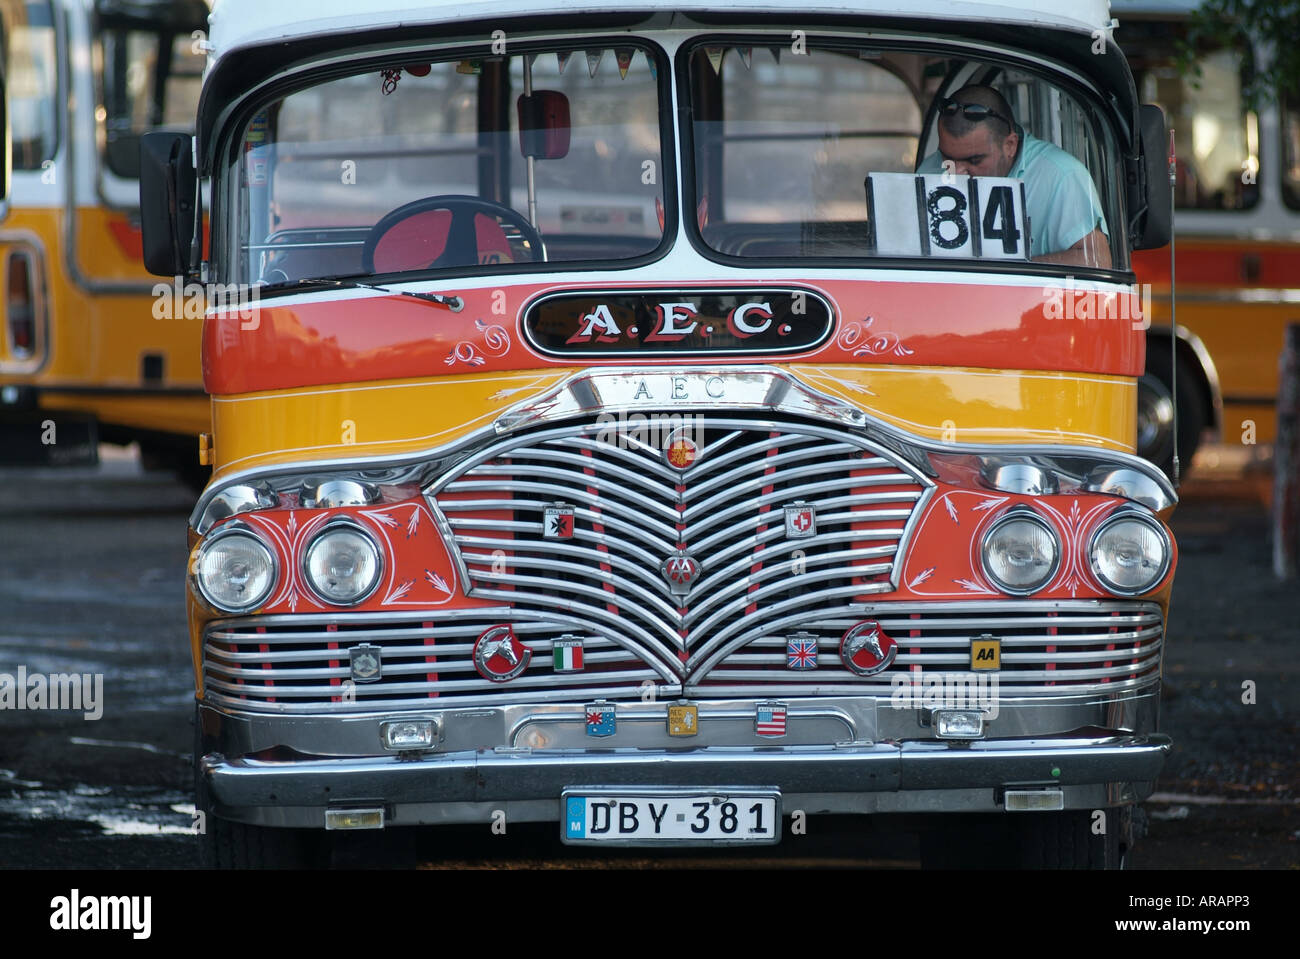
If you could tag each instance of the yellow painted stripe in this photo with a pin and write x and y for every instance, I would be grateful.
(989, 406)
(362, 420)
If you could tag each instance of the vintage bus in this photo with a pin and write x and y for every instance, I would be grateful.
(88, 350)
(1237, 203)
(669, 420)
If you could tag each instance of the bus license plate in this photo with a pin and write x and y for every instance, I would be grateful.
(671, 817)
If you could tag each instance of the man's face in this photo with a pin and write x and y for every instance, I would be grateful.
(981, 152)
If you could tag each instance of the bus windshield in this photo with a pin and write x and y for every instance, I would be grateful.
(817, 155)
(410, 167)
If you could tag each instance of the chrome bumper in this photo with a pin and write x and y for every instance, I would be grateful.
(885, 776)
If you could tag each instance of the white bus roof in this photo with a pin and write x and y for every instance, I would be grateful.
(238, 23)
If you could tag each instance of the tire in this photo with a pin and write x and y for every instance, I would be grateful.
(225, 844)
(1193, 408)
(1070, 839)
(1030, 840)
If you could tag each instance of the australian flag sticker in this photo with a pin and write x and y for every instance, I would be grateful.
(600, 719)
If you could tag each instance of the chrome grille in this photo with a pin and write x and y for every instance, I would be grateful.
(1048, 648)
(633, 511)
(300, 663)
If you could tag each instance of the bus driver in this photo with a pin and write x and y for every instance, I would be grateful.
(978, 136)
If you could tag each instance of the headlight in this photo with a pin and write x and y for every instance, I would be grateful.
(235, 571)
(1129, 553)
(1020, 553)
(342, 565)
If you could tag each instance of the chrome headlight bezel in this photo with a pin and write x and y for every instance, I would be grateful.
(1021, 514)
(225, 532)
(1128, 515)
(336, 525)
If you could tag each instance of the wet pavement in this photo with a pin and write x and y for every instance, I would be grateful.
(91, 581)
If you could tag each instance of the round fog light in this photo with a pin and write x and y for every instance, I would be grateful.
(235, 572)
(342, 565)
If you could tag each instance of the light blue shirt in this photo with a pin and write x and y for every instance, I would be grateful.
(1063, 205)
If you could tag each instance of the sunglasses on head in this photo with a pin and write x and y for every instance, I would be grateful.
(974, 111)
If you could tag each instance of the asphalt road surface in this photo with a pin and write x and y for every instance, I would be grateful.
(91, 581)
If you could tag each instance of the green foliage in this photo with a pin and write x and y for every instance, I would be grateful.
(1273, 25)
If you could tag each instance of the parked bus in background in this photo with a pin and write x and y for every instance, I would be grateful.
(1237, 197)
(87, 351)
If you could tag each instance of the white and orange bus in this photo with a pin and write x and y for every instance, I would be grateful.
(87, 349)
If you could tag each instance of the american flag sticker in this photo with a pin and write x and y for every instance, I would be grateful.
(568, 655)
(769, 720)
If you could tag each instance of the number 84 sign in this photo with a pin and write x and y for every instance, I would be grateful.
(949, 216)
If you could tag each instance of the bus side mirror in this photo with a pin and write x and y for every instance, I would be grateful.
(1155, 226)
(544, 125)
(168, 202)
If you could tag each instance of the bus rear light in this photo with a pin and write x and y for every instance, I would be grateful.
(20, 304)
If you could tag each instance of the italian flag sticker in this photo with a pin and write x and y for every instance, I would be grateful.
(568, 655)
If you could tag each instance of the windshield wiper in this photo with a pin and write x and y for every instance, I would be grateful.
(453, 303)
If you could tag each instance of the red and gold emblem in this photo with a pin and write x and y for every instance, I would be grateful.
(680, 450)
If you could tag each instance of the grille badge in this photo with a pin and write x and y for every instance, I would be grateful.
(367, 663)
(801, 651)
(681, 571)
(866, 649)
(680, 450)
(800, 520)
(558, 521)
(499, 655)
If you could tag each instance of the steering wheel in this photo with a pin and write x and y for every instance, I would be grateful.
(461, 248)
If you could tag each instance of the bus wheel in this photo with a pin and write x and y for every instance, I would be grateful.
(1076, 839)
(1155, 412)
(1155, 420)
(224, 844)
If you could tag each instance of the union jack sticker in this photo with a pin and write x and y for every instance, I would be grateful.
(801, 651)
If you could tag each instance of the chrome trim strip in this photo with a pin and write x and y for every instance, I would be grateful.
(771, 390)
(242, 786)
